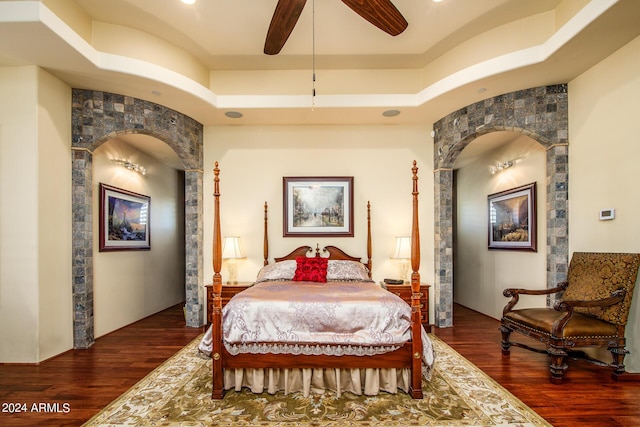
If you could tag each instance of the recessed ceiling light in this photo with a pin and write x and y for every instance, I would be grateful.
(233, 114)
(188, 1)
(391, 113)
(482, 90)
(155, 92)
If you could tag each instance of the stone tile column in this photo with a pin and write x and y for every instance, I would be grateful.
(443, 235)
(193, 248)
(82, 246)
(557, 217)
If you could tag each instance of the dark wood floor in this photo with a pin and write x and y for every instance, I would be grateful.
(82, 382)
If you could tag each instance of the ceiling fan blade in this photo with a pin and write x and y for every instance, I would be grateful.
(283, 21)
(381, 13)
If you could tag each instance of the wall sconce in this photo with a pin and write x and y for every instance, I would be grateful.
(232, 253)
(403, 253)
(500, 166)
(131, 166)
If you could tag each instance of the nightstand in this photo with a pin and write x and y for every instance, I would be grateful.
(404, 292)
(228, 291)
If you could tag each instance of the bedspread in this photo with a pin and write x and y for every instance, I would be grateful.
(334, 318)
(359, 314)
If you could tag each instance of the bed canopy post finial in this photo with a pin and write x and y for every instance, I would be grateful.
(265, 243)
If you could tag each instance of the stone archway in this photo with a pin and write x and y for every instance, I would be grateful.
(540, 113)
(96, 118)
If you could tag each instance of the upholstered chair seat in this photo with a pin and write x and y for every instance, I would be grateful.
(579, 326)
(592, 310)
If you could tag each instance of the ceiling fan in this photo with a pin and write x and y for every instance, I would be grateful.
(381, 13)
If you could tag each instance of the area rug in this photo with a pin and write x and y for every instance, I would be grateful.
(178, 393)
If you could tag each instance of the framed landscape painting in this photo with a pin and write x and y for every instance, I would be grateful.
(318, 206)
(512, 219)
(124, 220)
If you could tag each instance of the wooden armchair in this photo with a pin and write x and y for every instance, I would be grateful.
(592, 311)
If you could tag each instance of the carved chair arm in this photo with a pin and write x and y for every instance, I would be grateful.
(515, 294)
(568, 305)
(615, 297)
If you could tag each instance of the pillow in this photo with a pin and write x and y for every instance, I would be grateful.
(311, 269)
(283, 270)
(343, 270)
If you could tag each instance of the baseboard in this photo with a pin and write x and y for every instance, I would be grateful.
(628, 377)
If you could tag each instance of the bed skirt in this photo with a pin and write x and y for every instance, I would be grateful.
(368, 381)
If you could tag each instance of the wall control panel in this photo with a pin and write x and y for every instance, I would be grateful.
(607, 214)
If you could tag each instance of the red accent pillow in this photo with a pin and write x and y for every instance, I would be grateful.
(311, 269)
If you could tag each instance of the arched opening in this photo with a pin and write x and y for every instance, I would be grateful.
(98, 117)
(541, 114)
(132, 284)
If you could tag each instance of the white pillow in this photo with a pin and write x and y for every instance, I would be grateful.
(283, 270)
(344, 270)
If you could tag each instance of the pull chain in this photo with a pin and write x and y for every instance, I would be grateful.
(313, 54)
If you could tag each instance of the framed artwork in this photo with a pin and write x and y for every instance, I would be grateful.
(318, 206)
(512, 219)
(124, 220)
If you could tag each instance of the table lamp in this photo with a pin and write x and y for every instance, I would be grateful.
(403, 253)
(232, 253)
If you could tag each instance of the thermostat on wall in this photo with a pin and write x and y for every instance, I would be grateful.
(607, 214)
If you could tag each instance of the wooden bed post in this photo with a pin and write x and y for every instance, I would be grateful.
(265, 244)
(216, 353)
(416, 315)
(369, 237)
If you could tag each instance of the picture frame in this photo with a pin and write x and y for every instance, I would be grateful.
(124, 223)
(318, 206)
(512, 219)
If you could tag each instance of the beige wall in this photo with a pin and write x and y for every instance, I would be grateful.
(54, 213)
(131, 285)
(480, 275)
(253, 161)
(18, 206)
(603, 164)
(35, 211)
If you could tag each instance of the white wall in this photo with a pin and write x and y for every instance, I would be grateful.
(253, 161)
(131, 285)
(603, 164)
(480, 274)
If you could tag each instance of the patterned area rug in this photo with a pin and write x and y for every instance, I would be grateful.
(178, 393)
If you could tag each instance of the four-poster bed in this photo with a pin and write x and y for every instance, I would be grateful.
(398, 352)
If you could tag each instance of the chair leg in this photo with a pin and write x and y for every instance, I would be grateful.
(618, 353)
(558, 364)
(506, 344)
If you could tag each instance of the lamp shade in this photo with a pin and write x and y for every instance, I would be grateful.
(403, 248)
(231, 248)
